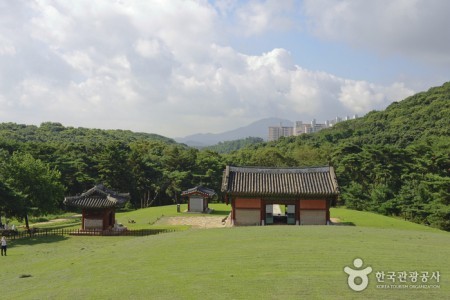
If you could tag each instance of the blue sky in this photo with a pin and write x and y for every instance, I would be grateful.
(181, 67)
(339, 57)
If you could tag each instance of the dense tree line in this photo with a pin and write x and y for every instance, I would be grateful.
(230, 146)
(55, 132)
(394, 162)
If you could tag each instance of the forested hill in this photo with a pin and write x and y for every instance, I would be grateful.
(394, 162)
(56, 132)
(230, 146)
(422, 116)
(39, 165)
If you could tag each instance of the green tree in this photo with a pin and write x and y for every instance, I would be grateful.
(10, 202)
(269, 157)
(113, 167)
(355, 196)
(146, 166)
(176, 182)
(36, 184)
(209, 166)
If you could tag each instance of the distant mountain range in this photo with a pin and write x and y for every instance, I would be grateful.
(255, 129)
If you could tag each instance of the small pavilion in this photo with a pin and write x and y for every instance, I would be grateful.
(198, 198)
(98, 207)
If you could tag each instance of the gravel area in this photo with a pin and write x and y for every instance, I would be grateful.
(196, 222)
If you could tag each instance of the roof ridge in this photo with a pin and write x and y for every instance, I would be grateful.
(104, 198)
(258, 169)
(200, 189)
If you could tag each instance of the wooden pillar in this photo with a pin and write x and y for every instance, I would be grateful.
(113, 218)
(233, 210)
(82, 218)
(262, 211)
(297, 212)
(328, 201)
(105, 217)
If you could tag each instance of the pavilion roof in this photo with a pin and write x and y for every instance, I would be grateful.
(264, 181)
(98, 197)
(205, 192)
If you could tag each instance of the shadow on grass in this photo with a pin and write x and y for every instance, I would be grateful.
(220, 212)
(73, 225)
(344, 224)
(30, 241)
(171, 227)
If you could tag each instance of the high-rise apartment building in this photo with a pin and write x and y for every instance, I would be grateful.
(275, 132)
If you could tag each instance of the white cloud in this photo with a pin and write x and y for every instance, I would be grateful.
(160, 66)
(7, 50)
(419, 29)
(251, 87)
(360, 96)
(257, 17)
(148, 48)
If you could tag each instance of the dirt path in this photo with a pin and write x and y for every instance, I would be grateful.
(196, 222)
(335, 221)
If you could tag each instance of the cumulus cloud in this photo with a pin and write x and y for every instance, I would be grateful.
(159, 66)
(360, 96)
(242, 87)
(417, 28)
(256, 17)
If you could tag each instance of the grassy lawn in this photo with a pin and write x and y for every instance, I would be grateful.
(272, 262)
(369, 219)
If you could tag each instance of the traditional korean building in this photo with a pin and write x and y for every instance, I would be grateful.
(305, 194)
(98, 207)
(198, 198)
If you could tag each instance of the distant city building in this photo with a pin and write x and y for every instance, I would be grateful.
(275, 132)
(301, 128)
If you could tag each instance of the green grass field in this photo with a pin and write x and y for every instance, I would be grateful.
(369, 219)
(271, 262)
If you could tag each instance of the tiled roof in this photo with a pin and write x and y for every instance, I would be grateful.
(98, 197)
(199, 190)
(314, 181)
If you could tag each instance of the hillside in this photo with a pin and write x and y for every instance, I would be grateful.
(230, 146)
(56, 132)
(393, 162)
(152, 168)
(417, 118)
